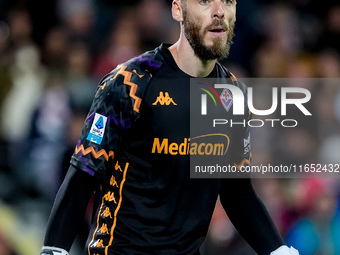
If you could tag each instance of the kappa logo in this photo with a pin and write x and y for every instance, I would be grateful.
(246, 141)
(98, 243)
(164, 99)
(106, 213)
(103, 229)
(110, 196)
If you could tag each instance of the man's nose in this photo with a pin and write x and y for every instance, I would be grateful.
(218, 10)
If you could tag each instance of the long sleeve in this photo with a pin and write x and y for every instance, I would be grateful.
(249, 215)
(69, 208)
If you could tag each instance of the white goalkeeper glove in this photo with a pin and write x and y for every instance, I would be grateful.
(48, 250)
(284, 250)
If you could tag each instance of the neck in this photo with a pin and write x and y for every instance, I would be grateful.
(188, 62)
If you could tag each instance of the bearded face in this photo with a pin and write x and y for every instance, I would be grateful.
(196, 35)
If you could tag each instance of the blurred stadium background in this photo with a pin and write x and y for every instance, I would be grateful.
(53, 53)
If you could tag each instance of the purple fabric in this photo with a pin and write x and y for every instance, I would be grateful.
(88, 170)
(90, 117)
(149, 60)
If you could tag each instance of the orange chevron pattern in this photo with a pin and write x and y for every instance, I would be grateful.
(127, 80)
(102, 87)
(233, 77)
(98, 154)
(244, 161)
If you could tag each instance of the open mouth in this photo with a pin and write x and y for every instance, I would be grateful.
(217, 30)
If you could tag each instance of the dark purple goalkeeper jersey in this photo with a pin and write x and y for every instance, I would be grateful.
(135, 138)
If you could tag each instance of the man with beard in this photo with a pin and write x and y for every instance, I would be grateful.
(131, 152)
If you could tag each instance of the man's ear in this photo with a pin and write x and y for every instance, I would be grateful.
(177, 10)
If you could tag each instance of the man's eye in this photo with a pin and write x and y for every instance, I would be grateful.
(228, 1)
(204, 1)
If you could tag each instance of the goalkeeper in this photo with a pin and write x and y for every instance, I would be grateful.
(148, 204)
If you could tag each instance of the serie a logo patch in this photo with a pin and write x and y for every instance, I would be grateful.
(97, 129)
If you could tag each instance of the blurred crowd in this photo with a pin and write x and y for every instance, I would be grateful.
(53, 54)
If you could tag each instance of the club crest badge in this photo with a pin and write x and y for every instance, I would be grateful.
(227, 99)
